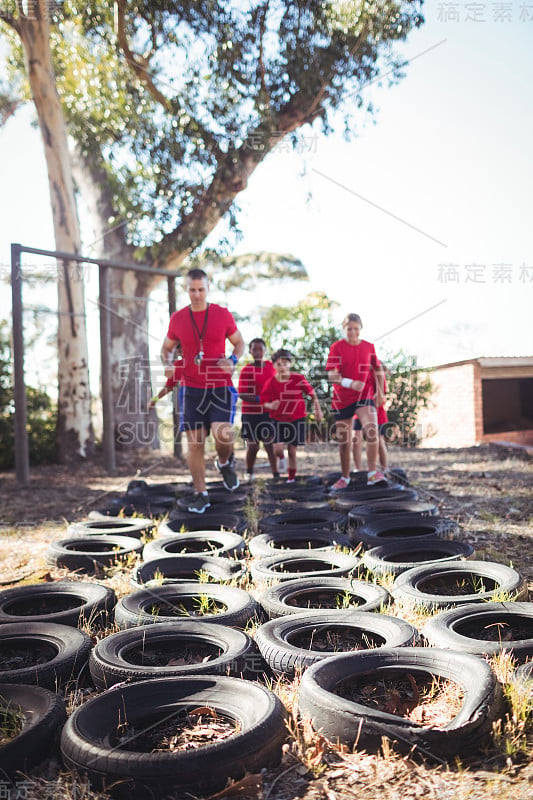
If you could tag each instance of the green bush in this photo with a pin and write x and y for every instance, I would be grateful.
(41, 414)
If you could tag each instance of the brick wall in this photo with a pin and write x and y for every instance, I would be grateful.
(455, 416)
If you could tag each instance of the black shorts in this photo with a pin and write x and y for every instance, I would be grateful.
(292, 432)
(258, 428)
(358, 427)
(348, 411)
(199, 408)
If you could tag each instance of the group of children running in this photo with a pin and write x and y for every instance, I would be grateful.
(274, 406)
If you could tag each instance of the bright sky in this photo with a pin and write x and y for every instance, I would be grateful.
(426, 216)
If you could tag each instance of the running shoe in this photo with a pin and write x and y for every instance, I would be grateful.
(376, 476)
(230, 479)
(342, 483)
(199, 503)
(291, 480)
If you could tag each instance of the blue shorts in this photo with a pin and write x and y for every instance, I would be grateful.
(258, 428)
(199, 408)
(348, 411)
(292, 432)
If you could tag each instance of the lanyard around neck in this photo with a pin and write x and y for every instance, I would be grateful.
(198, 332)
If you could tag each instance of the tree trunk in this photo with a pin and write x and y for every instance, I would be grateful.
(131, 376)
(74, 428)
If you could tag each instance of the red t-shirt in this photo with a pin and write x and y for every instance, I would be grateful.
(290, 393)
(176, 377)
(251, 381)
(220, 325)
(354, 361)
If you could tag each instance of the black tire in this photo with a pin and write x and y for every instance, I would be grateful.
(291, 597)
(372, 512)
(310, 494)
(211, 520)
(276, 542)
(402, 528)
(219, 498)
(213, 543)
(65, 602)
(412, 587)
(524, 672)
(395, 557)
(330, 520)
(357, 478)
(154, 651)
(484, 629)
(51, 655)
(90, 745)
(313, 503)
(43, 713)
(169, 603)
(136, 528)
(355, 724)
(139, 486)
(133, 505)
(303, 564)
(277, 639)
(345, 499)
(89, 554)
(183, 569)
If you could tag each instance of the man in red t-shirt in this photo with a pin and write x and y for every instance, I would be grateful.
(207, 395)
(351, 365)
(257, 425)
(284, 398)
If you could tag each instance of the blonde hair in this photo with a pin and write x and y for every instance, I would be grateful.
(352, 318)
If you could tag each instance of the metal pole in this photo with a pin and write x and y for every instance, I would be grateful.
(108, 415)
(22, 452)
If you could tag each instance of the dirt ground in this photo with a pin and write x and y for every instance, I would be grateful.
(485, 490)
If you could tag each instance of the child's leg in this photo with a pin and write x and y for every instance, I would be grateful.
(383, 454)
(369, 421)
(252, 448)
(343, 429)
(291, 453)
(357, 449)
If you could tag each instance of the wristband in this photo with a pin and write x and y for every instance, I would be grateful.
(233, 358)
(347, 383)
(154, 399)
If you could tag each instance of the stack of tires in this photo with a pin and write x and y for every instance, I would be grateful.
(214, 614)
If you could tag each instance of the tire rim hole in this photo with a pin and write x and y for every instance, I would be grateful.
(304, 565)
(49, 604)
(422, 698)
(457, 584)
(177, 653)
(25, 653)
(511, 628)
(193, 606)
(324, 599)
(185, 730)
(335, 639)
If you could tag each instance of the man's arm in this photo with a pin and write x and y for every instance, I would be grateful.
(167, 355)
(228, 364)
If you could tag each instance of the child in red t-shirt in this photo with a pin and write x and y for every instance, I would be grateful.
(284, 398)
(257, 425)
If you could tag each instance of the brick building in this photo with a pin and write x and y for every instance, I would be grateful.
(479, 400)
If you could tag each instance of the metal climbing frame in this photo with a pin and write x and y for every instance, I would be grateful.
(22, 457)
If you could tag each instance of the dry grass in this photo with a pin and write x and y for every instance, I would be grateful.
(487, 496)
